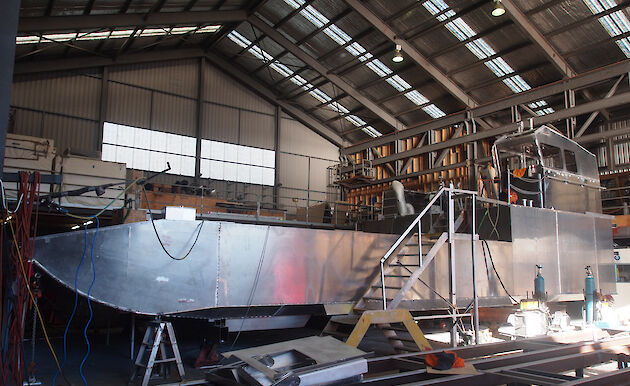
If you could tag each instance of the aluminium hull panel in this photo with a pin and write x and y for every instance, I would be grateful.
(293, 265)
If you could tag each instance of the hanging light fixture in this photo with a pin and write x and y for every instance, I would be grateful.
(398, 57)
(498, 9)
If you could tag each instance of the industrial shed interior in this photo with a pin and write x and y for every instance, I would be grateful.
(315, 192)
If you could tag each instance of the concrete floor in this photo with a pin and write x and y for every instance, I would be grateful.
(111, 364)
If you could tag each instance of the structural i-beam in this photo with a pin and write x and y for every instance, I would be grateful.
(413, 53)
(577, 82)
(84, 22)
(320, 68)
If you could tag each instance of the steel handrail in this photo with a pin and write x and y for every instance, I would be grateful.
(410, 228)
(412, 225)
(402, 237)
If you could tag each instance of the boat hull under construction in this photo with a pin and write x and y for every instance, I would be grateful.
(262, 268)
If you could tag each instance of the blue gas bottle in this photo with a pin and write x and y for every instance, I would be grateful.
(589, 291)
(539, 284)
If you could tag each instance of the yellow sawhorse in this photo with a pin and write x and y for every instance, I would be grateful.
(388, 317)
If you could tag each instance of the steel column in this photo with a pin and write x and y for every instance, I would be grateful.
(276, 147)
(199, 121)
(102, 112)
(473, 199)
(8, 28)
(452, 279)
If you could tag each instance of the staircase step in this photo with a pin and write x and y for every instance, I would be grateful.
(404, 265)
(375, 298)
(386, 287)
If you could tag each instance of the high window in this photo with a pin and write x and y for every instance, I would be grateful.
(226, 161)
(150, 150)
(144, 149)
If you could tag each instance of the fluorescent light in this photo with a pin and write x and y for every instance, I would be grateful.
(76, 227)
(88, 222)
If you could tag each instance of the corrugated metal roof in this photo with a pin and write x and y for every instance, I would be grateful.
(569, 26)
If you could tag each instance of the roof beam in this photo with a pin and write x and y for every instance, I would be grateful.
(618, 100)
(413, 53)
(312, 62)
(83, 22)
(260, 88)
(532, 31)
(166, 55)
(80, 62)
(537, 37)
(577, 82)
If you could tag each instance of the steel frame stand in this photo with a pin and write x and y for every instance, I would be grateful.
(158, 335)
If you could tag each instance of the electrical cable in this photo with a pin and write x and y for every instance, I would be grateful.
(74, 309)
(39, 315)
(4, 200)
(484, 242)
(254, 286)
(64, 211)
(146, 197)
(87, 325)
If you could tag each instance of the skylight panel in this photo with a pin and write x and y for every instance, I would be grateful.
(286, 72)
(342, 38)
(481, 49)
(434, 111)
(416, 97)
(27, 39)
(117, 34)
(615, 23)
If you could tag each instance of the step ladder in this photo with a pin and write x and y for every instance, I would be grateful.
(158, 336)
(396, 333)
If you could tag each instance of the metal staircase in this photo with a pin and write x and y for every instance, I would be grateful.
(412, 253)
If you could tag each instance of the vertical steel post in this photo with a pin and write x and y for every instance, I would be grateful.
(276, 148)
(201, 66)
(451, 261)
(133, 333)
(473, 200)
(540, 188)
(420, 241)
(509, 182)
(383, 286)
(102, 111)
(8, 31)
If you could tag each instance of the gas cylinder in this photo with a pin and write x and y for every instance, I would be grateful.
(539, 284)
(589, 291)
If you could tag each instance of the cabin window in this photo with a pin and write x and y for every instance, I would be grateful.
(570, 162)
(552, 156)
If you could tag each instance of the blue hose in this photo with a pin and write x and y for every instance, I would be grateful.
(74, 310)
(87, 341)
